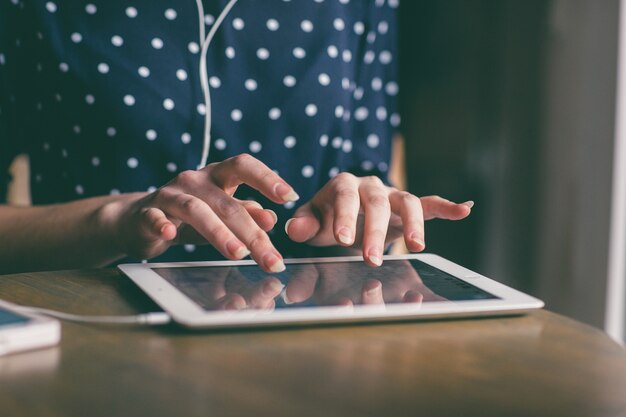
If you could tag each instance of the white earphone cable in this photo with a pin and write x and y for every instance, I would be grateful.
(204, 77)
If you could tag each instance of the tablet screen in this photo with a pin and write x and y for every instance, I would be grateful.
(319, 284)
(7, 317)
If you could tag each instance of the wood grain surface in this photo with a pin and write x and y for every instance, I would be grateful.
(540, 364)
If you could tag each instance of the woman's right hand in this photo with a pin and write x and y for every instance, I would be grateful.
(198, 206)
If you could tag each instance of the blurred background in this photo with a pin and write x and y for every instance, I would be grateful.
(512, 104)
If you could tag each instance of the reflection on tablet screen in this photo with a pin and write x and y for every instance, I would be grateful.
(320, 284)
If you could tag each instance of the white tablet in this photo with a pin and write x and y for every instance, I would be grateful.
(323, 290)
(23, 331)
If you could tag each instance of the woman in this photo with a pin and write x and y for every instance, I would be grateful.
(105, 98)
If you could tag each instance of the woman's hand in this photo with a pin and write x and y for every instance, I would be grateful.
(364, 213)
(199, 206)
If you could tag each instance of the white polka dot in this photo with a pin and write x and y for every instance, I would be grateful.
(373, 140)
(64, 67)
(117, 40)
(262, 53)
(381, 113)
(185, 138)
(333, 52)
(236, 115)
(91, 8)
(143, 71)
(3, 59)
(76, 37)
(170, 14)
(393, 3)
(323, 140)
(323, 79)
(151, 189)
(181, 74)
(337, 142)
(306, 26)
(151, 134)
(131, 12)
(394, 119)
(367, 165)
(310, 110)
(299, 52)
(255, 146)
(51, 7)
(385, 57)
(76, 129)
(132, 162)
(382, 166)
(103, 68)
(377, 84)
(359, 28)
(289, 80)
(168, 104)
(201, 108)
(339, 111)
(358, 93)
(346, 146)
(371, 37)
(274, 113)
(215, 82)
(307, 171)
(272, 24)
(383, 27)
(339, 24)
(90, 99)
(58, 97)
(346, 116)
(391, 88)
(369, 57)
(238, 23)
(289, 205)
(157, 43)
(333, 172)
(289, 142)
(171, 167)
(114, 191)
(220, 144)
(189, 248)
(79, 189)
(111, 132)
(346, 55)
(209, 19)
(230, 52)
(129, 100)
(361, 113)
(95, 161)
(250, 84)
(193, 47)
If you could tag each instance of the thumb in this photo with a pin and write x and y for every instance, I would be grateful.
(304, 225)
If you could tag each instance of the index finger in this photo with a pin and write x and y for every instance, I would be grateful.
(246, 169)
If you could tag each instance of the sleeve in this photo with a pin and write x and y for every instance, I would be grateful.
(10, 11)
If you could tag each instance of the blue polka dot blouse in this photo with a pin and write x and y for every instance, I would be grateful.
(105, 97)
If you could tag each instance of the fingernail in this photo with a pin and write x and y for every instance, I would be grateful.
(417, 239)
(236, 304)
(469, 204)
(274, 263)
(287, 226)
(286, 299)
(373, 291)
(274, 287)
(285, 192)
(345, 236)
(273, 215)
(242, 253)
(376, 260)
(237, 249)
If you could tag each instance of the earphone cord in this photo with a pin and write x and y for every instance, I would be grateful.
(204, 77)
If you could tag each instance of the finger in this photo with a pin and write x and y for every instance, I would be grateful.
(155, 225)
(304, 225)
(372, 292)
(246, 169)
(231, 301)
(262, 294)
(346, 208)
(436, 207)
(375, 201)
(409, 207)
(203, 219)
(265, 218)
(413, 296)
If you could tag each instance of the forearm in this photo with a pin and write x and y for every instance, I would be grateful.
(60, 236)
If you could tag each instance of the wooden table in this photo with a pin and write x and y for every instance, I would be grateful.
(541, 364)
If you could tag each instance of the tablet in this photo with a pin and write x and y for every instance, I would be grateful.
(227, 294)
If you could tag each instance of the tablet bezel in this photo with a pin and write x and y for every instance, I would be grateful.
(186, 312)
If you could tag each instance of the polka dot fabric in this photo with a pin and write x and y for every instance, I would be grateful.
(105, 97)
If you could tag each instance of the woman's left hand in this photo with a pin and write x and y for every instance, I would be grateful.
(362, 212)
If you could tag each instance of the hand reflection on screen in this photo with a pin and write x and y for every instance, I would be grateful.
(337, 284)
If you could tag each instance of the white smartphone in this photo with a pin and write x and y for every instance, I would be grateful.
(24, 331)
(323, 290)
